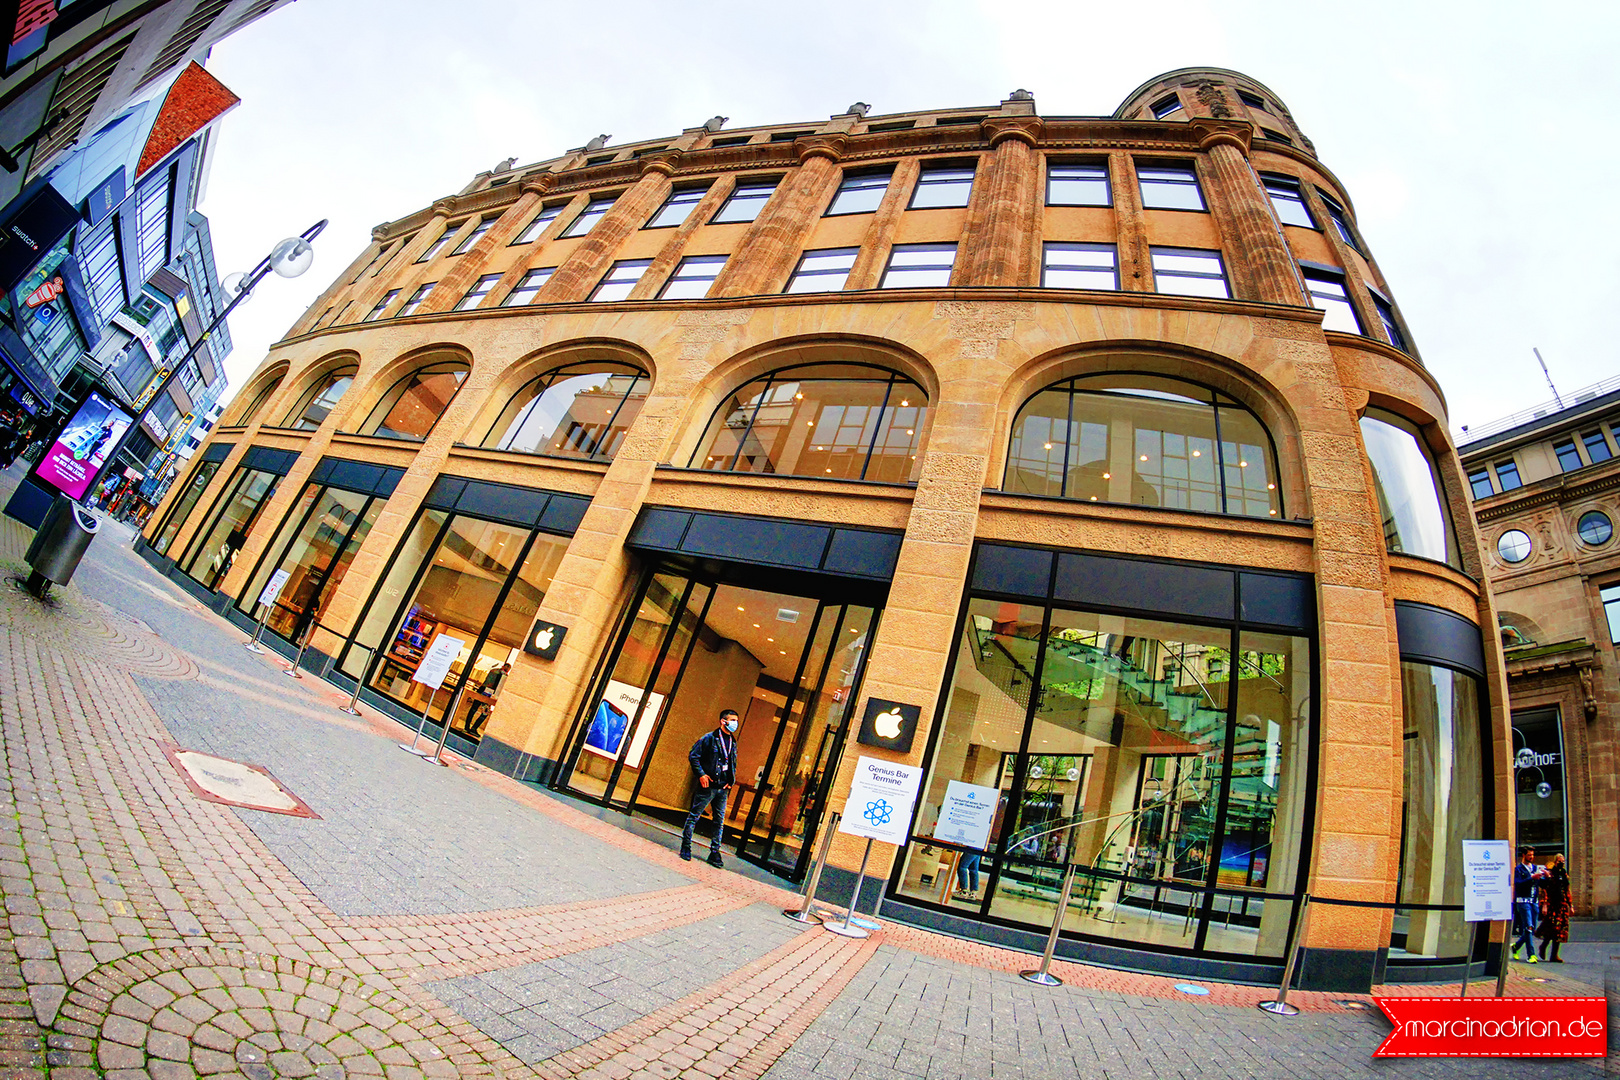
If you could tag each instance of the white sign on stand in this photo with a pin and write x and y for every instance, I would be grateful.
(1487, 881)
(272, 588)
(435, 663)
(880, 800)
(966, 814)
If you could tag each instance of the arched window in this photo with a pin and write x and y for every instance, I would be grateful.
(578, 410)
(847, 421)
(245, 417)
(414, 404)
(1142, 439)
(1409, 496)
(312, 411)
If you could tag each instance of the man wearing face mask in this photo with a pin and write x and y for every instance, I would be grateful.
(714, 760)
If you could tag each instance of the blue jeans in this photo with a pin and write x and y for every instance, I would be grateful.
(968, 866)
(1525, 914)
(714, 795)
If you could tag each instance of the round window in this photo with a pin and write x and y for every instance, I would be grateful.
(1513, 546)
(1595, 528)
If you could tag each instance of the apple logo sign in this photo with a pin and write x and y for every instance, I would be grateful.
(544, 640)
(891, 725)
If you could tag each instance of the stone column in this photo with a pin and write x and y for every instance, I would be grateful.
(667, 259)
(776, 238)
(374, 288)
(454, 285)
(995, 247)
(1266, 270)
(578, 275)
(873, 258)
(1135, 258)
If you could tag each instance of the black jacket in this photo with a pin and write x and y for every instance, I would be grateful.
(715, 756)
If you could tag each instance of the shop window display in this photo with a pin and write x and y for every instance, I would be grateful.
(315, 545)
(184, 505)
(214, 549)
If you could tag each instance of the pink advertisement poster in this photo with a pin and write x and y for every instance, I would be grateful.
(72, 462)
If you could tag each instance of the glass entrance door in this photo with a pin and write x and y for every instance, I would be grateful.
(788, 664)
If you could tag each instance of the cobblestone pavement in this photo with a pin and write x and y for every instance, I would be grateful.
(451, 922)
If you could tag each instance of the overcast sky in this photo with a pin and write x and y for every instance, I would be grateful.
(1477, 141)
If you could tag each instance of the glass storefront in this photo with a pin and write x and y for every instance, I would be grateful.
(789, 664)
(1169, 761)
(184, 505)
(315, 545)
(476, 581)
(214, 549)
(1540, 804)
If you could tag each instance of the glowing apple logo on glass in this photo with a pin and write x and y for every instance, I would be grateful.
(887, 724)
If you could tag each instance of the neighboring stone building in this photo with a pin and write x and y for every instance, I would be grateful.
(1046, 453)
(1546, 492)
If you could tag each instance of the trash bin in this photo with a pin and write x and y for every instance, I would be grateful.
(63, 538)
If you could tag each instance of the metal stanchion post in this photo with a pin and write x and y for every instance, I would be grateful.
(293, 671)
(449, 715)
(426, 708)
(1280, 1006)
(1468, 957)
(804, 914)
(252, 644)
(353, 707)
(1507, 955)
(844, 929)
(1042, 976)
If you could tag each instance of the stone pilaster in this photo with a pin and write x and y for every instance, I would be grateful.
(995, 247)
(1265, 270)
(669, 256)
(1131, 242)
(777, 236)
(454, 285)
(867, 273)
(578, 275)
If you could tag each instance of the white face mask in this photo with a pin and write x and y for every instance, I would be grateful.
(731, 724)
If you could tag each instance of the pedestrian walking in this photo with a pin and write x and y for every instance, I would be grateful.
(1556, 906)
(714, 760)
(1526, 904)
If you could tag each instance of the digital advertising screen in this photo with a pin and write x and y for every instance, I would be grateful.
(91, 434)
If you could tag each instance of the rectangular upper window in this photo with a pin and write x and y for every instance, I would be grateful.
(1507, 475)
(692, 278)
(1079, 266)
(416, 299)
(376, 312)
(1569, 458)
(476, 294)
(860, 193)
(1169, 187)
(1386, 316)
(438, 245)
(1276, 136)
(589, 216)
(730, 140)
(917, 266)
(474, 236)
(677, 208)
(1189, 272)
(1597, 447)
(1288, 201)
(620, 279)
(1328, 294)
(1251, 100)
(1079, 184)
(1480, 481)
(745, 202)
(531, 232)
(1610, 595)
(1166, 106)
(942, 186)
(1341, 223)
(824, 270)
(528, 285)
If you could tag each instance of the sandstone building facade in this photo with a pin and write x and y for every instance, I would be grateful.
(1097, 445)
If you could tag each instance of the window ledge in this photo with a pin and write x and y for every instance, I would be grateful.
(510, 457)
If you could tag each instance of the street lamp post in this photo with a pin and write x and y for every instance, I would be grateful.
(288, 259)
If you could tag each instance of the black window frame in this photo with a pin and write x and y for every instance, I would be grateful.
(1504, 470)
(1290, 191)
(690, 260)
(382, 305)
(799, 271)
(752, 185)
(1051, 246)
(1186, 168)
(488, 281)
(432, 251)
(689, 196)
(1166, 106)
(477, 234)
(860, 180)
(1569, 458)
(573, 231)
(1478, 476)
(1589, 438)
(942, 168)
(940, 246)
(1101, 168)
(529, 234)
(523, 283)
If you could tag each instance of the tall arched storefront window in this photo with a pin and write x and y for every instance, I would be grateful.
(414, 404)
(838, 421)
(1118, 715)
(245, 417)
(1447, 799)
(1409, 494)
(579, 411)
(321, 398)
(1145, 441)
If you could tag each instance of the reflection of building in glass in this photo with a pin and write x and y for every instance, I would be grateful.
(1032, 423)
(1544, 483)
